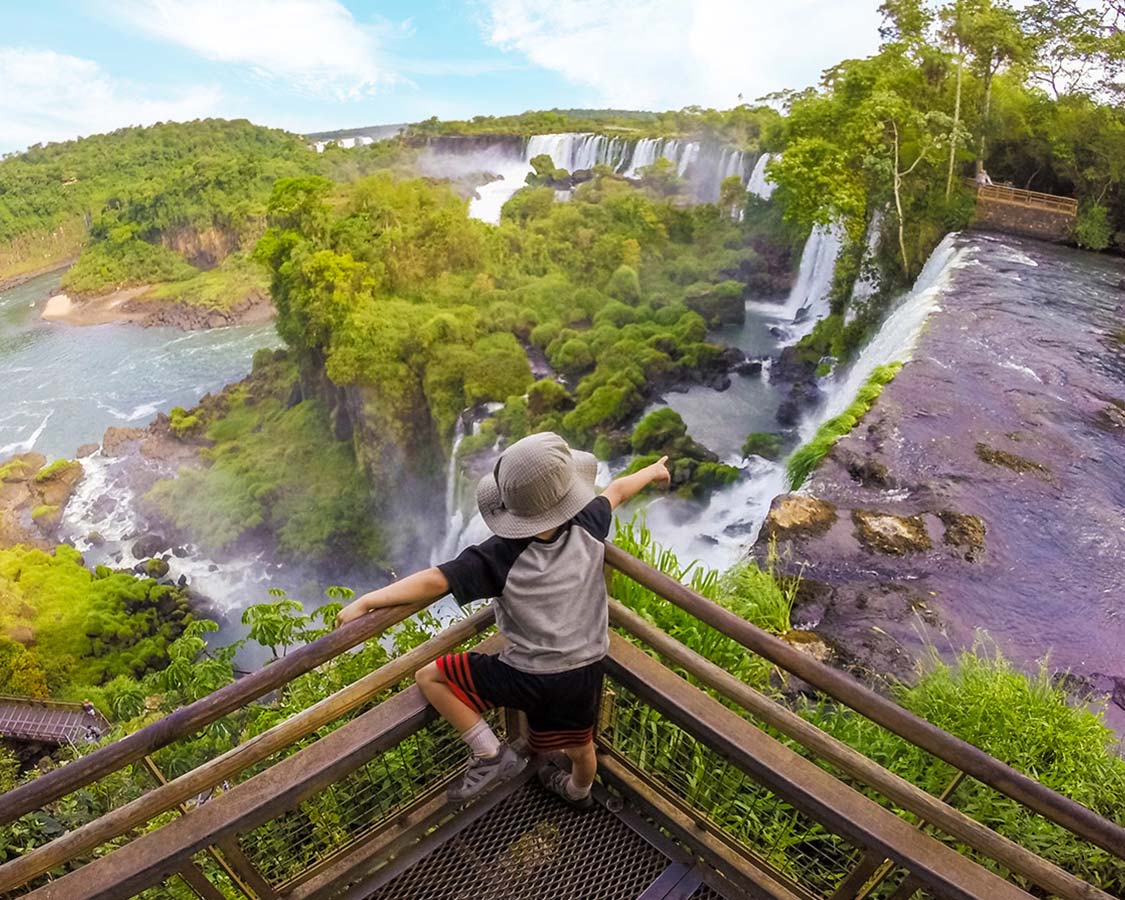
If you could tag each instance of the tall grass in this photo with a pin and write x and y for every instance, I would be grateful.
(807, 457)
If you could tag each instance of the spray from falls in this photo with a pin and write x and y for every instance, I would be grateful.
(703, 165)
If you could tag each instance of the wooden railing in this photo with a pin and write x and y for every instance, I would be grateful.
(881, 838)
(1019, 197)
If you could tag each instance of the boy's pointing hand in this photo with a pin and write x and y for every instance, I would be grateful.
(659, 472)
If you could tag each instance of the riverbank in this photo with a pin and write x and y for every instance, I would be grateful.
(133, 306)
(985, 489)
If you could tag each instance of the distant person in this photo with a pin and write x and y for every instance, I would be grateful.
(983, 179)
(88, 708)
(544, 567)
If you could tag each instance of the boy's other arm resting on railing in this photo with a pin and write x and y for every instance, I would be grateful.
(429, 584)
(628, 486)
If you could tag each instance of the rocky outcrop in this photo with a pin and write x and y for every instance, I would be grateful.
(33, 496)
(130, 305)
(204, 248)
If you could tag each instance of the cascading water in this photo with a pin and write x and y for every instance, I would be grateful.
(720, 534)
(454, 516)
(759, 185)
(867, 282)
(704, 166)
(808, 300)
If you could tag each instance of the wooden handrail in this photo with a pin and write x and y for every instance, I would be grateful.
(190, 719)
(908, 796)
(802, 783)
(1036, 796)
(1021, 197)
(141, 810)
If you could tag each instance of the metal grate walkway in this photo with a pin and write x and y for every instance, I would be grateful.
(530, 846)
(49, 721)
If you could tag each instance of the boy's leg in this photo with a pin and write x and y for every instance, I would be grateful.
(583, 767)
(448, 685)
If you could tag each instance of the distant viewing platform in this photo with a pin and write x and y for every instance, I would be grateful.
(1028, 213)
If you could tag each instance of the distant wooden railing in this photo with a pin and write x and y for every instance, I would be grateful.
(1018, 197)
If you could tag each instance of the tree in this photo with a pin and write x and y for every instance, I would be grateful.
(1076, 49)
(990, 30)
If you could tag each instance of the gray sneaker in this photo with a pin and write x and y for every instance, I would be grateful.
(484, 772)
(555, 780)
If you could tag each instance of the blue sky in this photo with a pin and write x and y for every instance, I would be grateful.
(85, 66)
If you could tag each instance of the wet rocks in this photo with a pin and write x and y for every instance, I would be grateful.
(793, 514)
(115, 439)
(87, 450)
(886, 533)
(149, 545)
(863, 469)
(965, 532)
(32, 498)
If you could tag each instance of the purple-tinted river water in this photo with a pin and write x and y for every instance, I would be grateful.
(1013, 410)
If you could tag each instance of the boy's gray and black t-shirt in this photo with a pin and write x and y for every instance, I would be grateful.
(551, 596)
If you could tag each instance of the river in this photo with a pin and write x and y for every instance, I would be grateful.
(64, 384)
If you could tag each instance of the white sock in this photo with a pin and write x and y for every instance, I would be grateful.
(573, 791)
(481, 740)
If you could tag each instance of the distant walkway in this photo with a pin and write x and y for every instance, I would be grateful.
(49, 721)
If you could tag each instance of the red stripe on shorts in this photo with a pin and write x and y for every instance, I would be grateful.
(453, 667)
(540, 741)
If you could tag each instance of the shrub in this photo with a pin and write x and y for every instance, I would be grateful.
(762, 443)
(1093, 229)
(658, 429)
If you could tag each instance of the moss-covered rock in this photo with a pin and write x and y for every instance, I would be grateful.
(766, 444)
(895, 535)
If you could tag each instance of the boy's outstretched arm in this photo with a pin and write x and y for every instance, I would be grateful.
(429, 584)
(623, 489)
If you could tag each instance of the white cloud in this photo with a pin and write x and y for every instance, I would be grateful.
(316, 46)
(659, 54)
(50, 96)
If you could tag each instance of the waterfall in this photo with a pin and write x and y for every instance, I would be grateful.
(808, 300)
(719, 535)
(704, 166)
(867, 282)
(759, 184)
(454, 517)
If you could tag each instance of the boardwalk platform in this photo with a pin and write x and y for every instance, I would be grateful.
(49, 721)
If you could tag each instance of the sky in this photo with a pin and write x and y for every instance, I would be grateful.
(76, 67)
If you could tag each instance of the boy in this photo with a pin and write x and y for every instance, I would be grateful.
(544, 567)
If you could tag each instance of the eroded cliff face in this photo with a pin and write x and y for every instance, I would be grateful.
(986, 488)
(204, 248)
(404, 463)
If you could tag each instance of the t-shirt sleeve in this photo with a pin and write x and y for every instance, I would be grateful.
(596, 517)
(479, 572)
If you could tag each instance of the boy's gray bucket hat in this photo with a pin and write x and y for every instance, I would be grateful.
(538, 484)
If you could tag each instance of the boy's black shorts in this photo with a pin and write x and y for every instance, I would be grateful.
(561, 707)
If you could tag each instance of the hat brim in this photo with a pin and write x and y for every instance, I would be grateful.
(503, 522)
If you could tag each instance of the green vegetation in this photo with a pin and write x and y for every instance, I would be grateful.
(394, 290)
(807, 457)
(54, 470)
(271, 468)
(141, 186)
(235, 278)
(67, 632)
(765, 444)
(695, 470)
